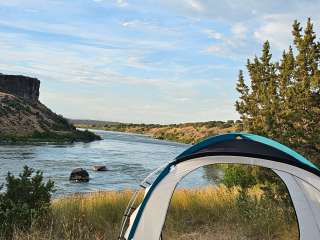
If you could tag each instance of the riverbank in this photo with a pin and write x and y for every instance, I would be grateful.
(184, 132)
(50, 137)
(205, 213)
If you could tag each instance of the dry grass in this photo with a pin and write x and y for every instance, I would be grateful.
(187, 134)
(213, 213)
(207, 213)
(184, 133)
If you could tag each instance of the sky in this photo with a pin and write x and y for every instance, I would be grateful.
(165, 61)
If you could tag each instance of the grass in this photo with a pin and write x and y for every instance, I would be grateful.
(51, 137)
(206, 213)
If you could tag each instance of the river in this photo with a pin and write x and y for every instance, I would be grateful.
(129, 158)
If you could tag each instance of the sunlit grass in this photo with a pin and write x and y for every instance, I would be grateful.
(213, 213)
(206, 213)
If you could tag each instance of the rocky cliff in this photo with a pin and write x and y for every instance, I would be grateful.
(21, 86)
(24, 118)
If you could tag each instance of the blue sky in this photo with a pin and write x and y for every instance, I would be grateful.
(142, 61)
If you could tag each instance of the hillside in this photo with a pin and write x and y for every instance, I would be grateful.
(183, 132)
(24, 118)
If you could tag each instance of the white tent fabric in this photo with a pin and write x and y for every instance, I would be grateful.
(147, 221)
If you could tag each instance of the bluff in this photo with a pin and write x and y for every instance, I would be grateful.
(21, 86)
(23, 118)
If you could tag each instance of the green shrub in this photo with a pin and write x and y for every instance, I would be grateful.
(239, 175)
(25, 200)
(245, 177)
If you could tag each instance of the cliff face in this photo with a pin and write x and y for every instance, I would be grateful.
(24, 118)
(21, 86)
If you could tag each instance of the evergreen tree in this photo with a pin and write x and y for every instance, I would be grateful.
(242, 105)
(283, 100)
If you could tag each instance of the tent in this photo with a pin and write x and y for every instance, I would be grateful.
(301, 177)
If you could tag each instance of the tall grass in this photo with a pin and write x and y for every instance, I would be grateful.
(206, 213)
(217, 213)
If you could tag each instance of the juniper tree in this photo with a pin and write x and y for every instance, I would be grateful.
(259, 106)
(283, 99)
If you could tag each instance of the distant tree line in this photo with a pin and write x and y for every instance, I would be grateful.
(208, 124)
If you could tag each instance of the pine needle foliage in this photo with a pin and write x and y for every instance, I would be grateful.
(282, 100)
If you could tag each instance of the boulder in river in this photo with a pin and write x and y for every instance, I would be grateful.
(79, 175)
(100, 168)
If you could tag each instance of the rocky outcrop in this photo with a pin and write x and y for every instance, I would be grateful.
(79, 175)
(100, 168)
(23, 118)
(19, 117)
(20, 86)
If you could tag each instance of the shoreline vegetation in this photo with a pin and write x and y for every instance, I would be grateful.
(183, 132)
(51, 137)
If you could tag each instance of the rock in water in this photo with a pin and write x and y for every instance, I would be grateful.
(79, 175)
(100, 168)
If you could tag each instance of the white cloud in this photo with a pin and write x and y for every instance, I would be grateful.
(183, 99)
(128, 24)
(213, 34)
(276, 29)
(150, 27)
(195, 5)
(134, 23)
(214, 49)
(228, 45)
(239, 30)
(231, 11)
(84, 66)
(122, 3)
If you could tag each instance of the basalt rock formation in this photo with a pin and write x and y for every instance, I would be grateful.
(21, 86)
(24, 118)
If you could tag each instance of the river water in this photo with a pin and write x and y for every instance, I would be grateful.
(129, 158)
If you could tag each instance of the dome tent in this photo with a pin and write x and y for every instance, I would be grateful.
(301, 177)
